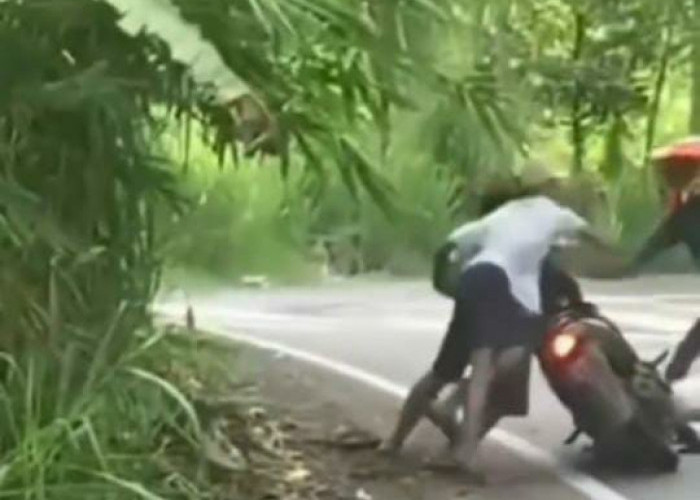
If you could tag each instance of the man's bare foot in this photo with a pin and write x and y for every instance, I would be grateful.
(438, 459)
(447, 463)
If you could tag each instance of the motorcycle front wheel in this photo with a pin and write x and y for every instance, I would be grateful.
(634, 447)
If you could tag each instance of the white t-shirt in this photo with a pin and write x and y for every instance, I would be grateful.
(517, 237)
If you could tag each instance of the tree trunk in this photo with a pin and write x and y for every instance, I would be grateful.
(385, 14)
(659, 83)
(694, 119)
(577, 129)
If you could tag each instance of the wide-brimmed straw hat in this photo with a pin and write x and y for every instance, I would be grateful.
(536, 173)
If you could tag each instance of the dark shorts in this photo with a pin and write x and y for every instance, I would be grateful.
(509, 392)
(486, 314)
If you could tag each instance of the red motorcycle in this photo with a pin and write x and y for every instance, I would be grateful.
(620, 401)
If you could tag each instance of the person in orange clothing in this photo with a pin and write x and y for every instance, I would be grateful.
(681, 225)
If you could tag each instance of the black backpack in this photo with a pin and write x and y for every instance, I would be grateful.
(446, 270)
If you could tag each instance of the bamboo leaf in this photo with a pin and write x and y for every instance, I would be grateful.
(100, 358)
(13, 196)
(186, 42)
(95, 443)
(378, 187)
(345, 167)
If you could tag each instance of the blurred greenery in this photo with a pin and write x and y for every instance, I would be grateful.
(588, 89)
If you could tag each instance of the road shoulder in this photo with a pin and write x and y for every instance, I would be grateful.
(324, 406)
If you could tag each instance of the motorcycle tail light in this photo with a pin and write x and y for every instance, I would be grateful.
(564, 344)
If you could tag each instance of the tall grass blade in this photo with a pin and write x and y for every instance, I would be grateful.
(131, 486)
(173, 392)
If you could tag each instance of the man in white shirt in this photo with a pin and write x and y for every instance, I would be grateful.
(497, 318)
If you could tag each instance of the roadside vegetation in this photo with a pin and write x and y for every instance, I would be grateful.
(586, 88)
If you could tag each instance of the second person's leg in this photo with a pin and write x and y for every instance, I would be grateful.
(417, 404)
(687, 351)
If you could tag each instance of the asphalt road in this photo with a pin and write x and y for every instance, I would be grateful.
(392, 330)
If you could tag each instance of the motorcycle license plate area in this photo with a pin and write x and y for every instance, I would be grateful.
(584, 380)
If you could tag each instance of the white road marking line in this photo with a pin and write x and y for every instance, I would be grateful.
(583, 483)
(635, 298)
(670, 330)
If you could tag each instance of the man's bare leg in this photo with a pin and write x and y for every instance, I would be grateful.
(416, 406)
(464, 451)
(480, 416)
(445, 460)
(506, 361)
(686, 399)
(687, 351)
(444, 414)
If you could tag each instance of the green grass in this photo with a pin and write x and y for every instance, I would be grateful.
(245, 219)
(119, 427)
(76, 424)
(248, 220)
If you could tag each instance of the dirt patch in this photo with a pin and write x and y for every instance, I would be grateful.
(336, 447)
(333, 424)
